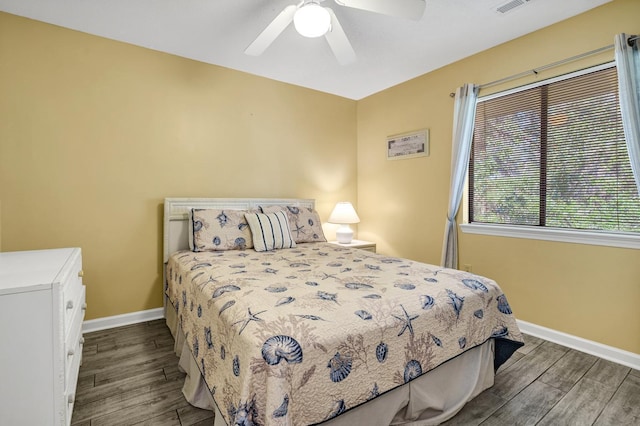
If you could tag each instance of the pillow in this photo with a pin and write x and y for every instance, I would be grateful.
(270, 231)
(304, 223)
(219, 229)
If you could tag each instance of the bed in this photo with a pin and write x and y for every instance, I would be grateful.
(316, 333)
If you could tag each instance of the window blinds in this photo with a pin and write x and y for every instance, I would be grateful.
(554, 155)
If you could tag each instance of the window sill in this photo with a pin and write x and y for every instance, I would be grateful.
(599, 238)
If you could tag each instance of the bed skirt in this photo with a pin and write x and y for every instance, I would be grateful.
(430, 399)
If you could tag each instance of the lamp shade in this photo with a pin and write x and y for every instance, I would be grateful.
(312, 20)
(343, 213)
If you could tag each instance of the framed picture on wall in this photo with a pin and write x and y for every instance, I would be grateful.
(408, 145)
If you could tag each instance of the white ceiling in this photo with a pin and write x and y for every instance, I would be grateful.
(389, 50)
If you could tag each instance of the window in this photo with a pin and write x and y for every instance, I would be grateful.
(554, 156)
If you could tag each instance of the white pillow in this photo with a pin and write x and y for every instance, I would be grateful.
(270, 231)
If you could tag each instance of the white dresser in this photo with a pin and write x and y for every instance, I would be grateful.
(42, 304)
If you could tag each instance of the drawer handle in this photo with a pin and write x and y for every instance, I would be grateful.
(71, 352)
(82, 340)
(80, 273)
(70, 304)
(84, 306)
(71, 398)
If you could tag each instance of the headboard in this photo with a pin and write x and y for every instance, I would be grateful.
(176, 215)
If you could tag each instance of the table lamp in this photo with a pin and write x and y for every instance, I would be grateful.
(344, 214)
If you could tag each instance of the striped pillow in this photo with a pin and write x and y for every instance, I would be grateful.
(270, 231)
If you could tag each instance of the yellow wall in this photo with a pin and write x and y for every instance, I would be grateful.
(94, 134)
(588, 291)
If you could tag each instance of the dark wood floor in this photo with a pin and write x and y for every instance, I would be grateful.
(129, 376)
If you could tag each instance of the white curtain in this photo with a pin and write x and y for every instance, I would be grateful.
(464, 112)
(628, 65)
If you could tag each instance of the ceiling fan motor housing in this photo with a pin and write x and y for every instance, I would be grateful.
(312, 20)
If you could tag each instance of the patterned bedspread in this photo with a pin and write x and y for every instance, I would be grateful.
(298, 336)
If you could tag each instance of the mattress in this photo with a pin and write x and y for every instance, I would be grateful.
(305, 335)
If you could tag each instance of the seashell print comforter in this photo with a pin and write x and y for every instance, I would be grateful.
(298, 336)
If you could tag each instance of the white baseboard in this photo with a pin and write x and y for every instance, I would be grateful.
(609, 353)
(120, 320)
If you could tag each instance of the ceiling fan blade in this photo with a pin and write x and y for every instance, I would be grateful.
(273, 30)
(410, 9)
(339, 42)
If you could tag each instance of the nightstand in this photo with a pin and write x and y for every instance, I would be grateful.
(359, 244)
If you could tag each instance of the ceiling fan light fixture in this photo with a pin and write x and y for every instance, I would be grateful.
(312, 20)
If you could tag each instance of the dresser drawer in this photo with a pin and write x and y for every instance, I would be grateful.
(72, 382)
(74, 340)
(72, 290)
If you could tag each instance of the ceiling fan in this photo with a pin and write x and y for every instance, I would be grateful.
(313, 20)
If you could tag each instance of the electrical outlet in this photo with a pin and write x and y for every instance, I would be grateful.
(467, 267)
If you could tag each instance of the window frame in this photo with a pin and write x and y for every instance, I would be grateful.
(591, 237)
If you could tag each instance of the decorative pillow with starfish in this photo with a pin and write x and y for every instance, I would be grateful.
(304, 222)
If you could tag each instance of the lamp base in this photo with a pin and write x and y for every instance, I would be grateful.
(344, 234)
